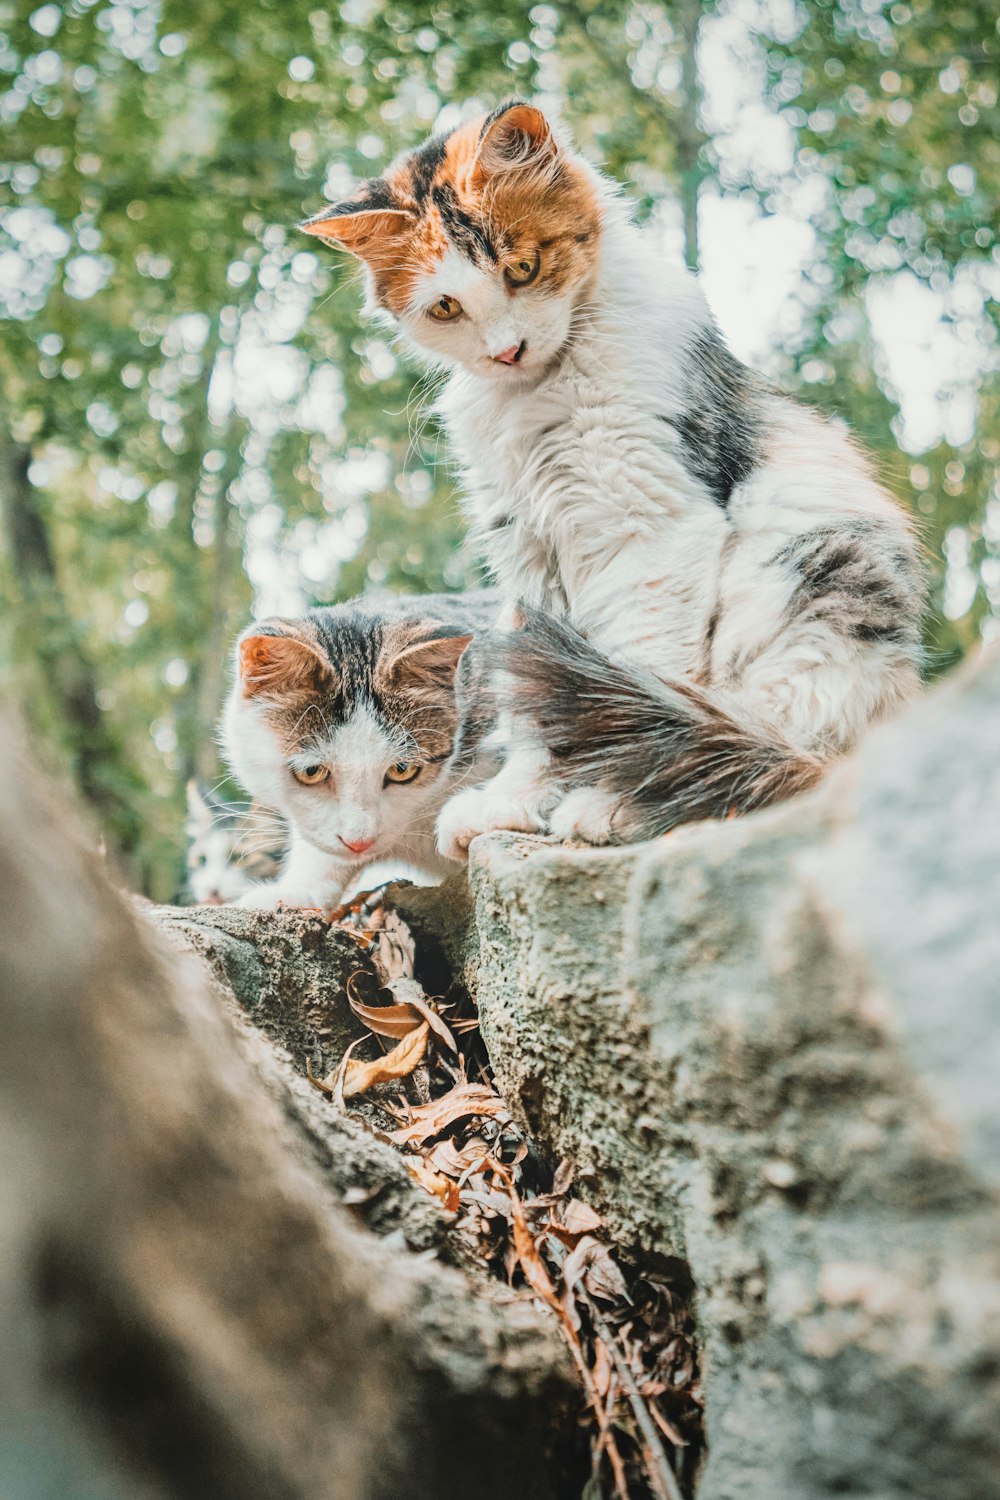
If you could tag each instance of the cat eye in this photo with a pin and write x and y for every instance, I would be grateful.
(311, 775)
(403, 771)
(445, 309)
(522, 272)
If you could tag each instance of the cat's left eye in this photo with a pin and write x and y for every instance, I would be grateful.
(403, 771)
(445, 309)
(311, 775)
(523, 271)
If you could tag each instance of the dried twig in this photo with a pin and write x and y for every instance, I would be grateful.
(661, 1476)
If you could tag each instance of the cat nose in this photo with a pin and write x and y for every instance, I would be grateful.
(512, 355)
(359, 846)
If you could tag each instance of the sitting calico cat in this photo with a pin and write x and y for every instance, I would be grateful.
(346, 723)
(718, 593)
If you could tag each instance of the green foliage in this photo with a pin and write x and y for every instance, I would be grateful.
(194, 388)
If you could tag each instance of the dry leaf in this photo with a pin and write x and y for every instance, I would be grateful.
(427, 1120)
(593, 1263)
(535, 1270)
(394, 1021)
(576, 1218)
(434, 1183)
(393, 948)
(455, 1162)
(359, 1077)
(563, 1178)
(409, 992)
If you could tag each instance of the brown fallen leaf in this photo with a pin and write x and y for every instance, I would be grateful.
(359, 1077)
(434, 1183)
(393, 1021)
(409, 992)
(574, 1217)
(393, 948)
(455, 1162)
(593, 1264)
(427, 1120)
(563, 1178)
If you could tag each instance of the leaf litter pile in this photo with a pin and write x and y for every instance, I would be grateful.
(628, 1326)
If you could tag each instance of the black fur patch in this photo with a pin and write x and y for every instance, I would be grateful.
(353, 637)
(720, 429)
(423, 164)
(466, 233)
(858, 578)
(496, 114)
(668, 752)
(374, 194)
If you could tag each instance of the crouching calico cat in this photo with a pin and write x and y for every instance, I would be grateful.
(717, 593)
(346, 722)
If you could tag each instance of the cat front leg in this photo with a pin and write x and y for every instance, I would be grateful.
(585, 816)
(310, 877)
(517, 799)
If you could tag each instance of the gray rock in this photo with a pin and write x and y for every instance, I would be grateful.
(772, 1048)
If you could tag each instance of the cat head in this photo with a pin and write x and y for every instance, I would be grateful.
(480, 243)
(229, 847)
(345, 724)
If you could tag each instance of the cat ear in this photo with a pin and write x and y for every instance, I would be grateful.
(371, 218)
(198, 810)
(280, 664)
(427, 665)
(515, 135)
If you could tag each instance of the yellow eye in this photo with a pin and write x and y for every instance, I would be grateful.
(402, 771)
(312, 775)
(445, 309)
(523, 271)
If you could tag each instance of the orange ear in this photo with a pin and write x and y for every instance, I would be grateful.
(280, 664)
(428, 664)
(359, 227)
(515, 135)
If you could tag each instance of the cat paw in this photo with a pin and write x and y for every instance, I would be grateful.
(585, 816)
(479, 811)
(273, 897)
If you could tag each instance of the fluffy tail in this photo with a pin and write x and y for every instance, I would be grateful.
(668, 751)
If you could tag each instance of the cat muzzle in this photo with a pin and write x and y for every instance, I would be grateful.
(360, 846)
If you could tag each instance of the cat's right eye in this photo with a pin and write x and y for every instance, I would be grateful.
(311, 775)
(445, 309)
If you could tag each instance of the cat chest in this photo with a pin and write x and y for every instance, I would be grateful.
(559, 474)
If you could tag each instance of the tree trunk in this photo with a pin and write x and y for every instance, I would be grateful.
(188, 1309)
(50, 636)
(688, 136)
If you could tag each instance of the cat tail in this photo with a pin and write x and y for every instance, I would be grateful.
(668, 751)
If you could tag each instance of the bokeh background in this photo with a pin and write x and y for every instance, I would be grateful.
(195, 421)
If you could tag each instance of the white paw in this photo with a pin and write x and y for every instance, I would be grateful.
(480, 810)
(270, 897)
(586, 815)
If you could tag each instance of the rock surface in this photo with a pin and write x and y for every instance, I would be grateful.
(772, 1047)
(187, 1307)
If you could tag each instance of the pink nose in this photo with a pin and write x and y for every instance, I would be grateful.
(359, 847)
(510, 356)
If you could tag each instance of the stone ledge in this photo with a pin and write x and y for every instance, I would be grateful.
(771, 1047)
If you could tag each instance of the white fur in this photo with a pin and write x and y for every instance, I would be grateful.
(353, 805)
(491, 321)
(613, 531)
(213, 877)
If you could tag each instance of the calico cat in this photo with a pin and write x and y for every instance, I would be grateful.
(346, 723)
(716, 595)
(231, 845)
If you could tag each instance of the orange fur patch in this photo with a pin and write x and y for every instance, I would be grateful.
(473, 190)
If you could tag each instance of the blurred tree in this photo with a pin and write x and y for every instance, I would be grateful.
(196, 414)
